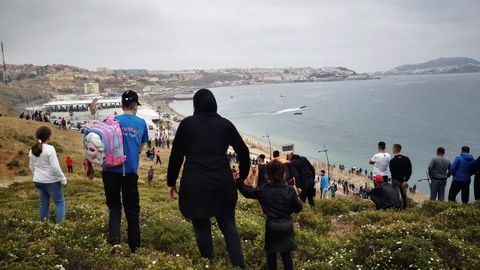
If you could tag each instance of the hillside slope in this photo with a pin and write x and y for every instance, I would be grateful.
(336, 234)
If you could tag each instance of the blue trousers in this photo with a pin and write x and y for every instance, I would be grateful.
(54, 191)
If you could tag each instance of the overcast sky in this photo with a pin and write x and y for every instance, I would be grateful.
(362, 35)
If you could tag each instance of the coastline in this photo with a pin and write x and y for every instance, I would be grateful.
(258, 146)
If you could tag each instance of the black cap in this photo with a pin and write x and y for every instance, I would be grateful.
(128, 97)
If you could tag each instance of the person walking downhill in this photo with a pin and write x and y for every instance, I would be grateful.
(69, 162)
(380, 162)
(401, 169)
(438, 171)
(207, 188)
(150, 174)
(123, 179)
(278, 201)
(333, 190)
(157, 154)
(48, 177)
(306, 179)
(462, 169)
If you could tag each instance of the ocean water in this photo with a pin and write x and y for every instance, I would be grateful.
(420, 112)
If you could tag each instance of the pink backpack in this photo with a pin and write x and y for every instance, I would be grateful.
(111, 134)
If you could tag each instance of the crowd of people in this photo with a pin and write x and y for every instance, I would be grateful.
(38, 116)
(209, 185)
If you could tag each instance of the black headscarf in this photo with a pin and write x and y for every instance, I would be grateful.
(204, 102)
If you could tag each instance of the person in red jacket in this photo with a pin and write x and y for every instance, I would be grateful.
(69, 162)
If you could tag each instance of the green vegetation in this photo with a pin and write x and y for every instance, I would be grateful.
(337, 234)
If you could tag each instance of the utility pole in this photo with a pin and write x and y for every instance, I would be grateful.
(269, 144)
(4, 66)
(325, 150)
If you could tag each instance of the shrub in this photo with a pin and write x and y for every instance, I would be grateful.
(12, 163)
(22, 172)
(433, 208)
(333, 207)
(57, 146)
(170, 234)
(309, 219)
(25, 139)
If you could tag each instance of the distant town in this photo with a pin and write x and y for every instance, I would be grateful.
(69, 79)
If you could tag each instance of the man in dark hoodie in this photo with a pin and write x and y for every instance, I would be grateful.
(306, 177)
(207, 188)
(461, 169)
(476, 183)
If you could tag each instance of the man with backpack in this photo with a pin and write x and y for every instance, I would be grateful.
(123, 179)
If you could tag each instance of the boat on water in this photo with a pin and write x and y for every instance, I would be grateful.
(298, 113)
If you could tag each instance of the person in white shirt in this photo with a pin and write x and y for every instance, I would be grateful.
(47, 175)
(380, 162)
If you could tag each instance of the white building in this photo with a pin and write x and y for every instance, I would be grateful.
(91, 88)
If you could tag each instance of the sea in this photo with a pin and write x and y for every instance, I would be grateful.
(349, 118)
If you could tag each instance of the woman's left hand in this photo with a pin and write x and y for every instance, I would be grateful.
(172, 191)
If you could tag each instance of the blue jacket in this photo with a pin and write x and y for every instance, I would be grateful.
(462, 167)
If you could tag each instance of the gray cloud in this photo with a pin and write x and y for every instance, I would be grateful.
(363, 35)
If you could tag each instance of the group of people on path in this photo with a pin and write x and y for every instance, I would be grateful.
(208, 188)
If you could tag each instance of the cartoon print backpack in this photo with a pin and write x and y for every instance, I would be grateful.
(103, 143)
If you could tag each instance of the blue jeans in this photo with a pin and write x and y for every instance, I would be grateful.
(55, 191)
(437, 189)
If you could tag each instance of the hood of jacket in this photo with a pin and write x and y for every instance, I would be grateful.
(467, 156)
(204, 102)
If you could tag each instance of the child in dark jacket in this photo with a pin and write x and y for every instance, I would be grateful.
(278, 201)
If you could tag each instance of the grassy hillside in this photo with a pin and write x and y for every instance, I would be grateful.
(337, 234)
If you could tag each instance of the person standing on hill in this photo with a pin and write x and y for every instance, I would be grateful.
(207, 188)
(69, 162)
(380, 162)
(261, 170)
(123, 179)
(306, 179)
(438, 171)
(278, 201)
(476, 183)
(401, 169)
(48, 177)
(323, 185)
(462, 169)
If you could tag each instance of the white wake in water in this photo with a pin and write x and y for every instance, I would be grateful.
(288, 110)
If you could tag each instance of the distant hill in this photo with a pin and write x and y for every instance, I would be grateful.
(440, 65)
